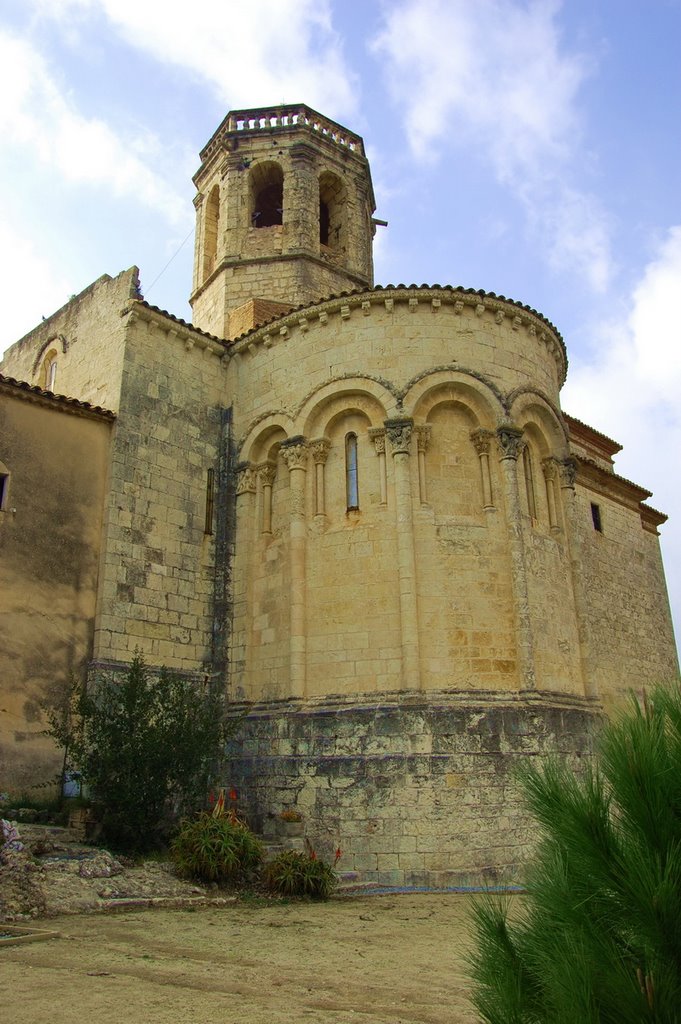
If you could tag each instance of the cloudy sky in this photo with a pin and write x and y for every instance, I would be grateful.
(528, 147)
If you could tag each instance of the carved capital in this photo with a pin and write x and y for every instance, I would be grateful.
(267, 472)
(246, 479)
(294, 453)
(377, 435)
(550, 467)
(482, 440)
(320, 450)
(399, 434)
(568, 471)
(422, 432)
(510, 440)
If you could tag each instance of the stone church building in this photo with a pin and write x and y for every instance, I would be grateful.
(360, 509)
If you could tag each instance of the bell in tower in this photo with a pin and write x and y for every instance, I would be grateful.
(283, 217)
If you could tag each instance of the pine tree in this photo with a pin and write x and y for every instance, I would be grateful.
(598, 940)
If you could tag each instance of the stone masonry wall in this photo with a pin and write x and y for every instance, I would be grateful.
(414, 792)
(158, 578)
(87, 338)
(631, 640)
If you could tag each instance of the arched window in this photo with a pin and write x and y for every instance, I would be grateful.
(48, 371)
(529, 483)
(210, 233)
(351, 475)
(267, 195)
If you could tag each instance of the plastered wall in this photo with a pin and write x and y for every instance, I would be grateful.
(50, 543)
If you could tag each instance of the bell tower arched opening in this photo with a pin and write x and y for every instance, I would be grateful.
(210, 231)
(267, 195)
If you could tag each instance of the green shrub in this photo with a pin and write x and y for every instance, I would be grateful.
(598, 937)
(300, 874)
(146, 747)
(216, 849)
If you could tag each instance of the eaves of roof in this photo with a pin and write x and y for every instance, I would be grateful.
(411, 287)
(32, 393)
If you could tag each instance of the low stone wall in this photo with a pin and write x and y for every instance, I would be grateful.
(414, 791)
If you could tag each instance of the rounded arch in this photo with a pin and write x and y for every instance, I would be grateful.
(56, 341)
(264, 436)
(210, 231)
(440, 387)
(538, 418)
(266, 194)
(332, 206)
(342, 409)
(359, 394)
(47, 377)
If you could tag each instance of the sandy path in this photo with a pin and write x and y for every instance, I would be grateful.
(382, 959)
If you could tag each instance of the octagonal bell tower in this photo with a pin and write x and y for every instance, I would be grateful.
(283, 217)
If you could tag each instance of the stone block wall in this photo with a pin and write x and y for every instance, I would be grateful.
(414, 792)
(160, 576)
(86, 337)
(631, 640)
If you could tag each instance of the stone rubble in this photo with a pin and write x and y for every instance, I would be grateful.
(56, 873)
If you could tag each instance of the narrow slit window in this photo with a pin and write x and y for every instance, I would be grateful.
(4, 486)
(596, 517)
(210, 500)
(351, 475)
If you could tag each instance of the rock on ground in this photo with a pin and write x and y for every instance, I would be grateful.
(56, 873)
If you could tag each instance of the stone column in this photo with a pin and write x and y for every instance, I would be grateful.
(399, 434)
(510, 446)
(567, 471)
(234, 223)
(267, 471)
(377, 435)
(245, 550)
(482, 440)
(320, 452)
(422, 442)
(550, 469)
(294, 453)
(199, 240)
(301, 200)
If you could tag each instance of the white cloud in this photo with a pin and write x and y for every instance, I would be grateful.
(36, 116)
(255, 53)
(35, 285)
(493, 76)
(630, 389)
(655, 328)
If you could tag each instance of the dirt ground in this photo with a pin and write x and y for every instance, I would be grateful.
(379, 959)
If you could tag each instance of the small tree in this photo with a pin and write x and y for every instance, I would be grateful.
(147, 748)
(61, 709)
(599, 938)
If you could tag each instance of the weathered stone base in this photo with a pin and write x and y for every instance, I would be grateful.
(414, 789)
